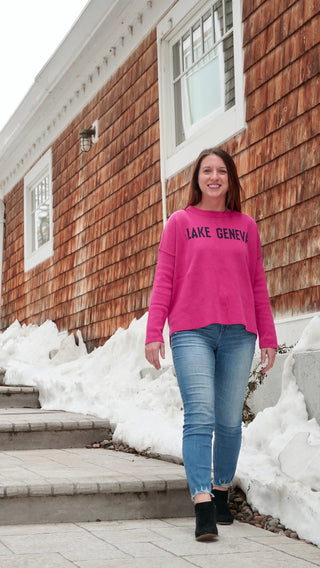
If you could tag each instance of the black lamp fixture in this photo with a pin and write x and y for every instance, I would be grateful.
(89, 136)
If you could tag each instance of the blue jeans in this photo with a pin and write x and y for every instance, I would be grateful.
(212, 365)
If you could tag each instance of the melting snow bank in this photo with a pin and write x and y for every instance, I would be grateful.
(145, 413)
(279, 463)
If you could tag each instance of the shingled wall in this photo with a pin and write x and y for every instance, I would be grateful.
(281, 153)
(278, 155)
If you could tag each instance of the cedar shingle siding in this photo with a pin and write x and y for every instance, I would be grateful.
(107, 211)
(280, 149)
(107, 214)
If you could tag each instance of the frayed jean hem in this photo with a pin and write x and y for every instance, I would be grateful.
(202, 491)
(222, 485)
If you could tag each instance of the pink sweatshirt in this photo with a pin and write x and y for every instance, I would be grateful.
(210, 271)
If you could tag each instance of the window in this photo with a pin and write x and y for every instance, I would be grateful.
(201, 91)
(203, 69)
(38, 242)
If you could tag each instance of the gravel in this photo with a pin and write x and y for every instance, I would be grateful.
(242, 512)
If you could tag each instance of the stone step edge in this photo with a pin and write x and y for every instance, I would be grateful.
(92, 488)
(7, 389)
(68, 425)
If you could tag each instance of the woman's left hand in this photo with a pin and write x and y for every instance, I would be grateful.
(268, 353)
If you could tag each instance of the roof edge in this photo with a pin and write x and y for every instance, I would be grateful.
(77, 70)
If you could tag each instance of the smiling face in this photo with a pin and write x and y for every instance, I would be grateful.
(213, 181)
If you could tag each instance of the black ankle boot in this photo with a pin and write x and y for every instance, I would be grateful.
(224, 515)
(206, 528)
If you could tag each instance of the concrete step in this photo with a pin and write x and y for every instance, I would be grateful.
(23, 429)
(79, 485)
(19, 397)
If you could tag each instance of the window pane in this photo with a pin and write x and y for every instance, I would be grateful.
(178, 113)
(228, 13)
(218, 21)
(176, 60)
(40, 214)
(203, 89)
(186, 51)
(197, 43)
(207, 32)
(42, 225)
(229, 72)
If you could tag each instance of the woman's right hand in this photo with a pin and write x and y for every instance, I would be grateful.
(152, 351)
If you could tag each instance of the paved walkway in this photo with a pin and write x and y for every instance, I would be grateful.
(43, 486)
(164, 543)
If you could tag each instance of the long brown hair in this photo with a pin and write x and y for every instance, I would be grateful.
(233, 196)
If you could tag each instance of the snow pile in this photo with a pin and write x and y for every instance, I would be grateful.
(146, 413)
(279, 463)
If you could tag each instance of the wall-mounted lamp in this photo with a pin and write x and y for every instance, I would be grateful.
(89, 136)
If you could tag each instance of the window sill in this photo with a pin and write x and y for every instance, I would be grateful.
(217, 132)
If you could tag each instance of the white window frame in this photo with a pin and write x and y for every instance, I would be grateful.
(210, 132)
(41, 169)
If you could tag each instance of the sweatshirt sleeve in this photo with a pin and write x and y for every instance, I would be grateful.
(264, 317)
(162, 286)
(160, 298)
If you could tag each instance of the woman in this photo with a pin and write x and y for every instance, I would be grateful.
(210, 284)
